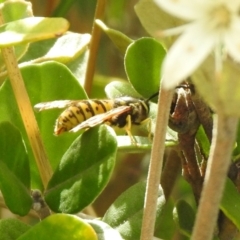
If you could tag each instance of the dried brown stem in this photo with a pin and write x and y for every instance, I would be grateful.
(96, 33)
(26, 112)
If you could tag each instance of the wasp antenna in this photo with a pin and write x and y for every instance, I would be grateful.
(154, 95)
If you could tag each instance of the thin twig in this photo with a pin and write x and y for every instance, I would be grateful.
(219, 160)
(26, 112)
(96, 33)
(155, 168)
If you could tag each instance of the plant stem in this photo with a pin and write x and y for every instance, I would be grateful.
(96, 33)
(155, 168)
(224, 134)
(26, 112)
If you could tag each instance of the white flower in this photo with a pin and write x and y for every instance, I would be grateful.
(212, 25)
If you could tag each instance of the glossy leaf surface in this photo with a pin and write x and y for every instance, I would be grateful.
(120, 40)
(44, 82)
(60, 227)
(125, 214)
(83, 172)
(31, 29)
(143, 61)
(104, 231)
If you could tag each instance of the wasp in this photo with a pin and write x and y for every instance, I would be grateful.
(120, 112)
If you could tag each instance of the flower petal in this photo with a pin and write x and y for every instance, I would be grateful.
(186, 54)
(184, 9)
(232, 40)
(232, 5)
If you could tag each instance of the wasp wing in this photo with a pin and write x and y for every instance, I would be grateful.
(54, 104)
(101, 118)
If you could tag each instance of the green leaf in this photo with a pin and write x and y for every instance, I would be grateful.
(237, 148)
(70, 49)
(15, 10)
(104, 231)
(11, 229)
(143, 62)
(14, 170)
(100, 82)
(44, 82)
(60, 227)
(31, 29)
(119, 89)
(12, 11)
(165, 226)
(230, 203)
(63, 49)
(125, 214)
(83, 172)
(203, 141)
(120, 40)
(184, 216)
(125, 144)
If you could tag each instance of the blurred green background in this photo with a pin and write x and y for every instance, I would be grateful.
(119, 15)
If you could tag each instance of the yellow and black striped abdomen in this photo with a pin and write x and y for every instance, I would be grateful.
(80, 112)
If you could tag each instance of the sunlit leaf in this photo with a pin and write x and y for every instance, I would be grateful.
(83, 171)
(12, 11)
(70, 49)
(143, 61)
(104, 231)
(44, 82)
(15, 10)
(31, 29)
(125, 214)
(120, 88)
(63, 49)
(60, 227)
(120, 40)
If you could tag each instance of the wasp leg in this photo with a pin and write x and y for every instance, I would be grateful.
(148, 121)
(128, 130)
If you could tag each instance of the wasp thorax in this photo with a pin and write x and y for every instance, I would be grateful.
(138, 112)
